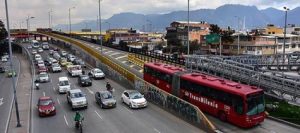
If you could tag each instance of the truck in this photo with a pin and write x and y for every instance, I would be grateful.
(74, 70)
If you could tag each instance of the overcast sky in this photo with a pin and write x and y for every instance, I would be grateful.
(88, 9)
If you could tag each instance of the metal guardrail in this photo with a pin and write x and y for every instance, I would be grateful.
(167, 101)
(245, 75)
(136, 61)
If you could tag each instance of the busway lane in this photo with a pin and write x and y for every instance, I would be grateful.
(6, 93)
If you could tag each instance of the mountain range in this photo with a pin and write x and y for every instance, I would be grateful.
(226, 15)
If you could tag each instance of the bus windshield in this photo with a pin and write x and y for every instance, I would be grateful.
(255, 104)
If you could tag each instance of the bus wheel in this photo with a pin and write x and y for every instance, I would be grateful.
(222, 116)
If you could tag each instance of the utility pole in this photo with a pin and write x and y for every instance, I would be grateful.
(12, 68)
(284, 35)
(70, 22)
(100, 37)
(188, 32)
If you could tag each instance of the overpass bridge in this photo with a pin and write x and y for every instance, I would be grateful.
(93, 51)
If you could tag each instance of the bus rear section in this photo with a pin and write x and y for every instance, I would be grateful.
(239, 104)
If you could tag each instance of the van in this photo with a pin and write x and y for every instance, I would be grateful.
(63, 85)
(35, 44)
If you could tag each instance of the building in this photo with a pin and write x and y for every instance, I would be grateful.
(292, 43)
(127, 35)
(272, 29)
(177, 32)
(293, 29)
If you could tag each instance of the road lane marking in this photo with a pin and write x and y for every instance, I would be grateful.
(108, 52)
(156, 130)
(92, 46)
(120, 57)
(90, 91)
(128, 110)
(58, 101)
(98, 115)
(124, 62)
(1, 101)
(44, 93)
(53, 89)
(131, 66)
(66, 120)
(114, 54)
(141, 71)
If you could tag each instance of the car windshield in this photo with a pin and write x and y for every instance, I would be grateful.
(98, 71)
(77, 95)
(106, 95)
(43, 75)
(63, 83)
(46, 102)
(55, 65)
(85, 77)
(135, 95)
(256, 104)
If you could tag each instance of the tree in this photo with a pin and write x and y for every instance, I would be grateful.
(225, 34)
(3, 32)
(214, 29)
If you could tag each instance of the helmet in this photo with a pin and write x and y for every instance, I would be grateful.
(77, 112)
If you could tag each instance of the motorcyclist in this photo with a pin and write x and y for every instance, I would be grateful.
(77, 119)
(108, 86)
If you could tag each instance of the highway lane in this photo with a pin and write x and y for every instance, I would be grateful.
(267, 126)
(118, 120)
(6, 94)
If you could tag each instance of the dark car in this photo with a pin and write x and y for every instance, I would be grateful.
(2, 69)
(46, 106)
(84, 80)
(79, 62)
(105, 99)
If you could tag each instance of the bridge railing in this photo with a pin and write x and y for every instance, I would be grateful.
(155, 95)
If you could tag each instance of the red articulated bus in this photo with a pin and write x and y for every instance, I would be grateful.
(239, 104)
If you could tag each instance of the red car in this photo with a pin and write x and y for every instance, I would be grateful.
(42, 69)
(46, 106)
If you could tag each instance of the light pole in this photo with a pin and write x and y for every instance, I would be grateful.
(50, 19)
(284, 34)
(70, 22)
(150, 25)
(220, 45)
(100, 37)
(238, 29)
(188, 32)
(11, 67)
(28, 26)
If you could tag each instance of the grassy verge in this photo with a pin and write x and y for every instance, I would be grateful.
(283, 110)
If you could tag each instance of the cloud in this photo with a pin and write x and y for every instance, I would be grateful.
(88, 9)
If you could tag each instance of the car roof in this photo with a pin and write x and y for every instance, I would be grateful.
(43, 73)
(75, 90)
(130, 91)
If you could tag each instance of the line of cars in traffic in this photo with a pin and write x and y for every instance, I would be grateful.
(56, 61)
(3, 69)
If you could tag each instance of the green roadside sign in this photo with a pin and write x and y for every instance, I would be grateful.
(212, 38)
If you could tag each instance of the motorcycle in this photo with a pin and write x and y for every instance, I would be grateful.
(79, 125)
(37, 86)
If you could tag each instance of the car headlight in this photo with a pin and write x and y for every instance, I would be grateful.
(53, 108)
(40, 110)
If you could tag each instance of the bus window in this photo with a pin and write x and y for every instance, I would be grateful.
(255, 104)
(237, 103)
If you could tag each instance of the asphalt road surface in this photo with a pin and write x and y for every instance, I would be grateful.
(6, 93)
(117, 120)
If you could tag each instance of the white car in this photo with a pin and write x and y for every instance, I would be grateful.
(56, 68)
(133, 99)
(63, 85)
(43, 77)
(34, 52)
(40, 50)
(96, 73)
(76, 99)
(63, 53)
(4, 59)
(74, 70)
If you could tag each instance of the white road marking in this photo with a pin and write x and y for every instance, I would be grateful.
(128, 110)
(1, 101)
(98, 115)
(156, 130)
(66, 120)
(53, 88)
(141, 71)
(92, 46)
(44, 93)
(131, 66)
(108, 52)
(58, 101)
(120, 57)
(114, 54)
(124, 62)
(90, 91)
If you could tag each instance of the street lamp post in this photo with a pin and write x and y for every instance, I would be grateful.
(28, 26)
(188, 32)
(108, 24)
(50, 19)
(284, 34)
(100, 37)
(11, 67)
(238, 32)
(70, 22)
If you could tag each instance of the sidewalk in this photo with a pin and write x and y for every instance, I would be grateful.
(24, 96)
